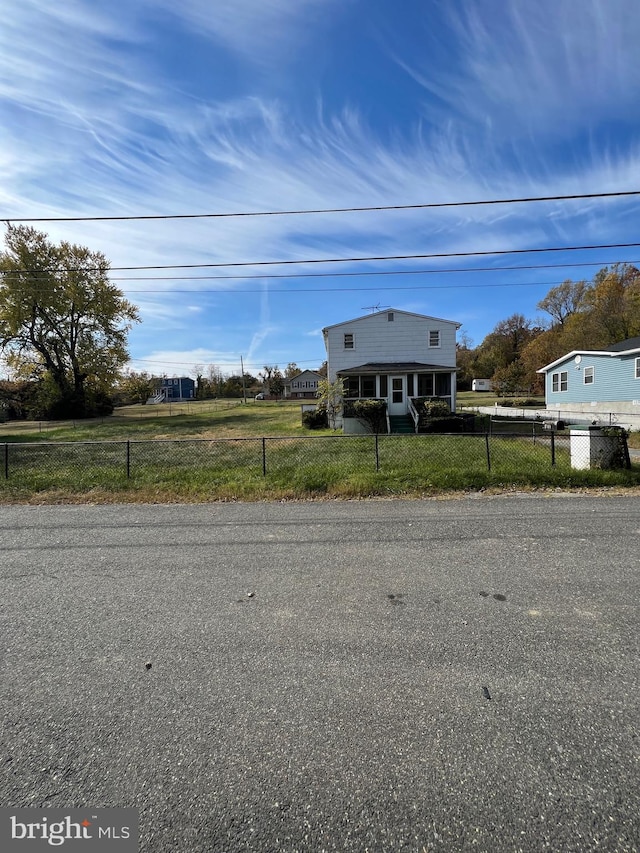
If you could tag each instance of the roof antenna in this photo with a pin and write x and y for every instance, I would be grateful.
(374, 308)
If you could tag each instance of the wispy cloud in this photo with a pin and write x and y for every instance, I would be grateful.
(99, 123)
(259, 30)
(538, 69)
(183, 362)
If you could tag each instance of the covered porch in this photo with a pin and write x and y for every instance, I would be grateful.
(398, 383)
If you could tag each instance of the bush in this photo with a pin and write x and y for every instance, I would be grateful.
(316, 419)
(522, 402)
(371, 413)
(430, 408)
(452, 423)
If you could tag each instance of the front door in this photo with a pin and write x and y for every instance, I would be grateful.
(397, 395)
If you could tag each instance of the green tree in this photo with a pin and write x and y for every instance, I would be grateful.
(136, 387)
(330, 396)
(273, 380)
(465, 360)
(60, 314)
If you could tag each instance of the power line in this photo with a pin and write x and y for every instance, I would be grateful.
(360, 273)
(357, 289)
(428, 206)
(253, 365)
(360, 259)
(364, 273)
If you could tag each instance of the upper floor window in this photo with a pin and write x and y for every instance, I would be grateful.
(589, 373)
(390, 316)
(349, 340)
(637, 368)
(434, 337)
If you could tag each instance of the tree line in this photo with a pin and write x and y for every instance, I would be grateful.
(581, 315)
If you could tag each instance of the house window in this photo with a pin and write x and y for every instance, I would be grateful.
(589, 375)
(434, 338)
(368, 384)
(384, 389)
(425, 385)
(637, 368)
(352, 386)
(349, 342)
(559, 381)
(390, 316)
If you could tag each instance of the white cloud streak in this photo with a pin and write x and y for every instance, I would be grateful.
(95, 127)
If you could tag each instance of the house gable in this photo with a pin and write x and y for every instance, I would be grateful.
(390, 336)
(304, 384)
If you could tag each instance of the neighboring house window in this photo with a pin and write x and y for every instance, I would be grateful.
(434, 338)
(637, 368)
(349, 342)
(560, 381)
(589, 373)
(390, 316)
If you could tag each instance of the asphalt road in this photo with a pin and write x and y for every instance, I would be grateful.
(356, 676)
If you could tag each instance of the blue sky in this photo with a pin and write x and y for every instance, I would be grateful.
(156, 107)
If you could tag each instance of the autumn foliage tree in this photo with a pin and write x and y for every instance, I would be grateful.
(583, 315)
(62, 322)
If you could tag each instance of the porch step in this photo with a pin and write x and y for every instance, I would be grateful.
(401, 424)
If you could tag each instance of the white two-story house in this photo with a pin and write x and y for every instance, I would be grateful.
(394, 355)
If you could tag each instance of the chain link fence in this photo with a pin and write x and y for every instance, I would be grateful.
(289, 459)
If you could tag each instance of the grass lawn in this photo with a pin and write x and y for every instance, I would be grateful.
(206, 419)
(292, 463)
(488, 398)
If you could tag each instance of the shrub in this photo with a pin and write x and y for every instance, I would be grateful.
(429, 408)
(371, 413)
(521, 402)
(316, 419)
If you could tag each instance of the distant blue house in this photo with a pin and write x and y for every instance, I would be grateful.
(600, 380)
(181, 388)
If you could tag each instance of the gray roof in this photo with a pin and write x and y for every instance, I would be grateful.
(393, 367)
(623, 346)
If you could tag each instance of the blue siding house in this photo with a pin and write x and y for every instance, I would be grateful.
(182, 388)
(601, 380)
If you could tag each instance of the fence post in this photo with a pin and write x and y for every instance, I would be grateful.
(128, 459)
(553, 448)
(486, 441)
(377, 454)
(264, 457)
(6, 461)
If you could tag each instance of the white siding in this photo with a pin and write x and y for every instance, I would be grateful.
(376, 339)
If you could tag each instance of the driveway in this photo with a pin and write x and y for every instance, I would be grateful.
(437, 675)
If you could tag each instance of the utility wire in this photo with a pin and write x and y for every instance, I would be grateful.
(365, 258)
(358, 274)
(363, 273)
(272, 292)
(431, 206)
